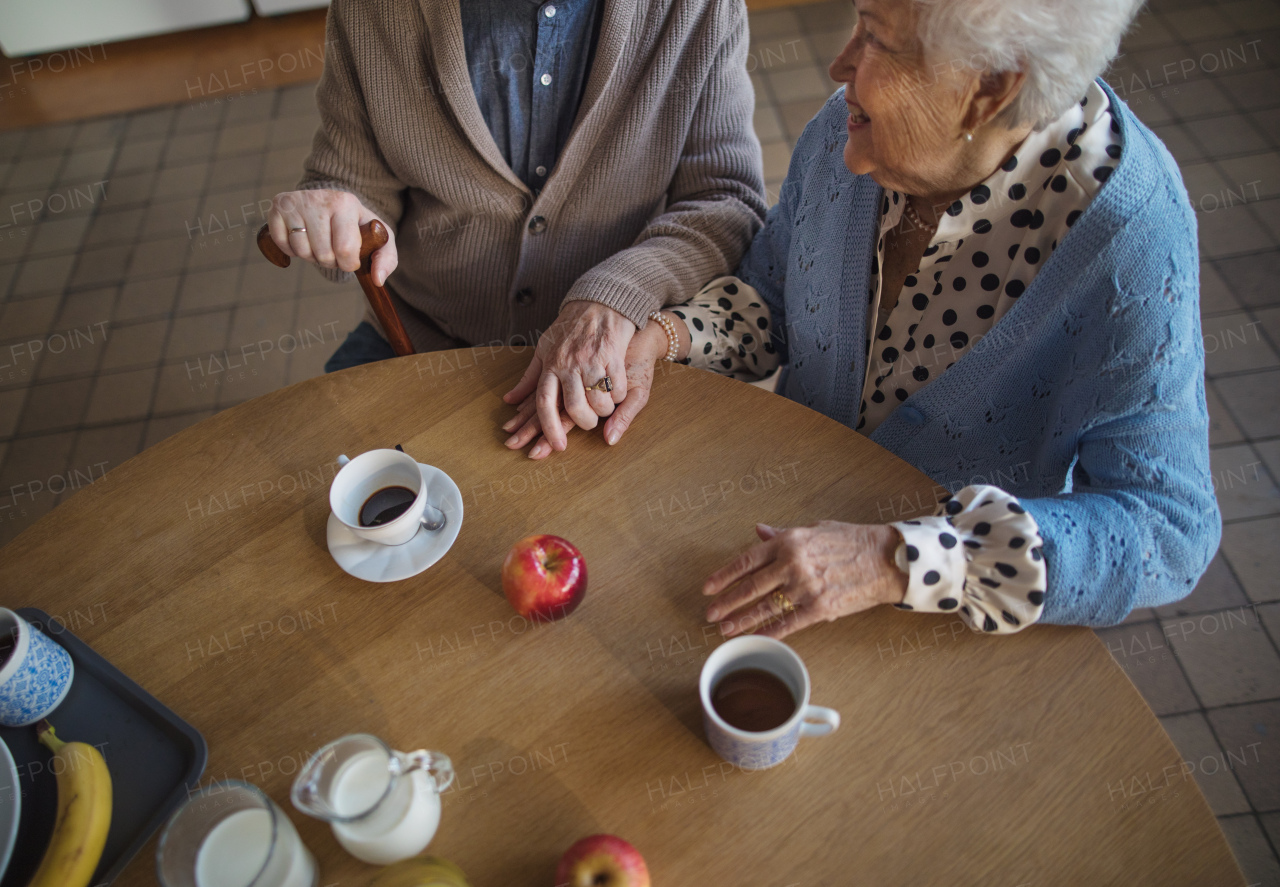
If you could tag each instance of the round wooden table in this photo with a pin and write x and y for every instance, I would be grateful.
(962, 759)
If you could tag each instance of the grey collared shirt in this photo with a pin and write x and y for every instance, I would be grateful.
(528, 63)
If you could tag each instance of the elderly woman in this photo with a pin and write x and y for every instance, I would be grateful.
(980, 259)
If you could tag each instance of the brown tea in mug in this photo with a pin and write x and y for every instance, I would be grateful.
(753, 699)
(386, 505)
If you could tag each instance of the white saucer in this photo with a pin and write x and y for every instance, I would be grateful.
(375, 562)
(10, 806)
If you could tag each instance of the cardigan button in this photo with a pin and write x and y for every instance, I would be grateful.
(524, 296)
(911, 414)
(537, 225)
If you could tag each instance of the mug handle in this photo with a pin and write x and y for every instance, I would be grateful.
(438, 767)
(819, 721)
(343, 460)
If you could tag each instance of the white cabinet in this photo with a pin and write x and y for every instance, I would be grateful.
(28, 27)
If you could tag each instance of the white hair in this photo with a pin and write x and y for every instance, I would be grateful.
(1061, 45)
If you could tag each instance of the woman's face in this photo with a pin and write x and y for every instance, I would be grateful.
(905, 117)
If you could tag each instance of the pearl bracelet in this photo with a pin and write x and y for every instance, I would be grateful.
(669, 327)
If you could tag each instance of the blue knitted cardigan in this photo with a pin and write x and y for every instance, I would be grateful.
(1086, 400)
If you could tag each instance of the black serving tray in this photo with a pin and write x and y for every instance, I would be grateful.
(153, 755)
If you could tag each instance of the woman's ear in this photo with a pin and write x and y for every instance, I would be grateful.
(995, 91)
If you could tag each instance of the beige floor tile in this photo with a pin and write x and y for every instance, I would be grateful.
(99, 450)
(777, 157)
(1222, 428)
(1201, 21)
(73, 352)
(1144, 654)
(1254, 399)
(257, 377)
(796, 116)
(1215, 295)
(1249, 732)
(1242, 483)
(149, 298)
(1147, 31)
(263, 282)
(172, 219)
(1254, 177)
(1250, 547)
(11, 402)
(1251, 850)
(1205, 761)
(124, 395)
(22, 319)
(1227, 656)
(220, 251)
(214, 288)
(87, 310)
(139, 156)
(47, 275)
(767, 125)
(31, 461)
(197, 336)
(54, 406)
(184, 388)
(242, 139)
(1216, 590)
(781, 54)
(180, 181)
(86, 167)
(59, 236)
(774, 23)
(102, 266)
(1231, 231)
(807, 83)
(116, 228)
(1234, 342)
(1270, 453)
(309, 362)
(1270, 616)
(262, 326)
(829, 44)
(1251, 15)
(135, 345)
(162, 428)
(156, 259)
(1228, 135)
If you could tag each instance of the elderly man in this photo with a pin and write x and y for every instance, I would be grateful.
(564, 168)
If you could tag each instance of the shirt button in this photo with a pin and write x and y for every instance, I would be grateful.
(524, 296)
(537, 225)
(546, 79)
(911, 414)
(549, 12)
(542, 170)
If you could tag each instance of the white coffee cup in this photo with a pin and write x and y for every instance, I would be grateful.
(369, 472)
(759, 751)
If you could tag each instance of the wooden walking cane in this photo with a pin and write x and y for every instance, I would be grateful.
(373, 236)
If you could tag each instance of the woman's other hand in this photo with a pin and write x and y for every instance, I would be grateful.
(331, 237)
(646, 347)
(826, 571)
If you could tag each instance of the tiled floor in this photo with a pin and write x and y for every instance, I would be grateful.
(133, 303)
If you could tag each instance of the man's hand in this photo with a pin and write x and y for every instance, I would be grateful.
(587, 342)
(645, 348)
(332, 220)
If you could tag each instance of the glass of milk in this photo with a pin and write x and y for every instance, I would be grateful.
(383, 805)
(232, 835)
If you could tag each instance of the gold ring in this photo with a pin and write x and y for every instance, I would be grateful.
(605, 385)
(783, 603)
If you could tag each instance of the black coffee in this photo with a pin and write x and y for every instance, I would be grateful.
(8, 640)
(386, 505)
(753, 699)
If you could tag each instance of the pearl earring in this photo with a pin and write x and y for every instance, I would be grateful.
(968, 137)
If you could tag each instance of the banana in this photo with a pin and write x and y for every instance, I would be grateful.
(84, 813)
(421, 871)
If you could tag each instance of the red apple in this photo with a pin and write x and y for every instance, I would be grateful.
(602, 861)
(544, 577)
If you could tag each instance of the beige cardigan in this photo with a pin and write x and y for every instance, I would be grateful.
(658, 190)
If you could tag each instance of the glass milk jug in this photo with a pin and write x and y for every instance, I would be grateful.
(383, 805)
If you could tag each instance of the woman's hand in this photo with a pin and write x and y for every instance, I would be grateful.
(827, 571)
(645, 348)
(332, 220)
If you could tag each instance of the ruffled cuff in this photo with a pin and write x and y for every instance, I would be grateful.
(981, 555)
(729, 330)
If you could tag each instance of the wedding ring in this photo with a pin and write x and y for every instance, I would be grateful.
(605, 384)
(297, 230)
(783, 603)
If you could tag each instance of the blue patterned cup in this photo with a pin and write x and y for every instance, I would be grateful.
(759, 751)
(36, 676)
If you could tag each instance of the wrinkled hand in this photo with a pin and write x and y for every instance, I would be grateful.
(827, 571)
(332, 238)
(587, 342)
(643, 351)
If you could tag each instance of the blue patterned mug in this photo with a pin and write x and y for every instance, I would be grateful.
(35, 677)
(759, 751)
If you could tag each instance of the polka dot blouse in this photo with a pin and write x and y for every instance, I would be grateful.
(981, 555)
